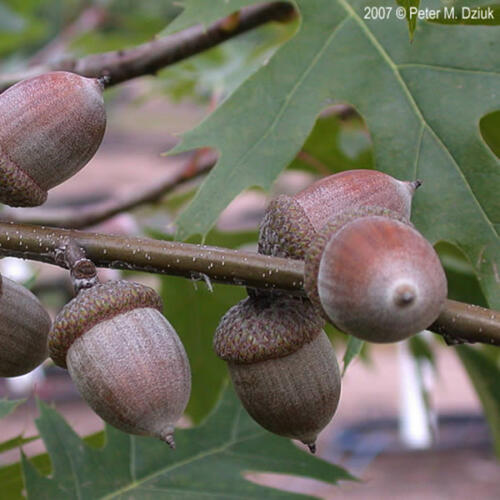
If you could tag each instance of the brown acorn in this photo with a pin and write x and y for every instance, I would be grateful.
(375, 276)
(291, 223)
(124, 357)
(282, 364)
(50, 127)
(24, 326)
(352, 190)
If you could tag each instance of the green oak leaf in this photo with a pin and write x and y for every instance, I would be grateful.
(15, 442)
(353, 349)
(490, 126)
(483, 371)
(462, 282)
(411, 18)
(209, 461)
(195, 312)
(335, 145)
(422, 103)
(11, 476)
(8, 405)
(205, 13)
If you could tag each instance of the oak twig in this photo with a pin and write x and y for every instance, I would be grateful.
(83, 271)
(80, 218)
(89, 19)
(162, 257)
(149, 58)
(477, 324)
(462, 322)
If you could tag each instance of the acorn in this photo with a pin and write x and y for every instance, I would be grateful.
(291, 222)
(124, 357)
(374, 276)
(354, 189)
(50, 127)
(282, 364)
(24, 326)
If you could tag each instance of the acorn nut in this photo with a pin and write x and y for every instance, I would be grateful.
(282, 364)
(124, 357)
(24, 326)
(354, 189)
(291, 222)
(50, 127)
(375, 276)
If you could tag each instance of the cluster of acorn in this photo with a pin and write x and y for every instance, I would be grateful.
(124, 357)
(367, 271)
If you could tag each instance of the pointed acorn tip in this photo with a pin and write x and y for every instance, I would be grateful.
(104, 81)
(312, 447)
(169, 439)
(415, 184)
(404, 295)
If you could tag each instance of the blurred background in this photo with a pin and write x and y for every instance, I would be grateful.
(409, 423)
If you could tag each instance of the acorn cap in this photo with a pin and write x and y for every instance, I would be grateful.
(285, 230)
(94, 305)
(315, 250)
(18, 188)
(266, 327)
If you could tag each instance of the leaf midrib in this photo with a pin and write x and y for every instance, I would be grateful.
(189, 460)
(289, 96)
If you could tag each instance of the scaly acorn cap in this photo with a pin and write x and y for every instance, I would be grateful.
(266, 327)
(94, 305)
(285, 230)
(17, 188)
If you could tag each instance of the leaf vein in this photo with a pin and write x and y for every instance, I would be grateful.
(199, 456)
(450, 69)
